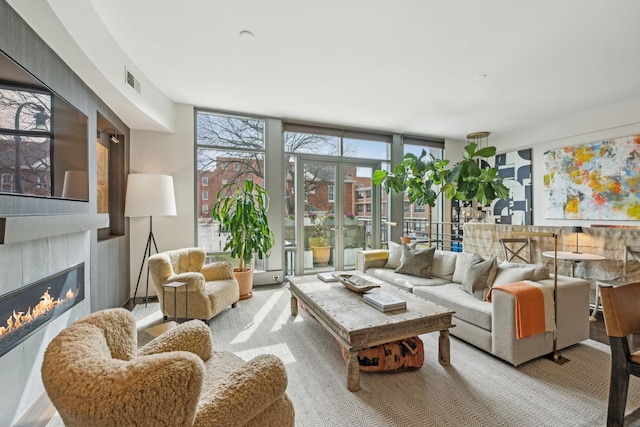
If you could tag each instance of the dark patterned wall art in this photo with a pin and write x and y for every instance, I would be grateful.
(515, 169)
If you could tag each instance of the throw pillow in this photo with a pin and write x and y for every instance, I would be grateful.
(540, 272)
(416, 262)
(444, 264)
(476, 278)
(512, 275)
(395, 255)
(463, 261)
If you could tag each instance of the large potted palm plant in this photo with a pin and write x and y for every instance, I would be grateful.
(241, 210)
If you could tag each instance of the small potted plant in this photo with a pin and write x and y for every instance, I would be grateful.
(241, 210)
(350, 218)
(319, 242)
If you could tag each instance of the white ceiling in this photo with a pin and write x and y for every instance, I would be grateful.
(407, 66)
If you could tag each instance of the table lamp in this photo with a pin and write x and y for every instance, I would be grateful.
(577, 230)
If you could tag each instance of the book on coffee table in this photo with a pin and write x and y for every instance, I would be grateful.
(384, 301)
(327, 277)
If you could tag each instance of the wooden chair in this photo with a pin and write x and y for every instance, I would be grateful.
(514, 247)
(621, 319)
(623, 279)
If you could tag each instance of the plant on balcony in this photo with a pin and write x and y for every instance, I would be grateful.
(319, 242)
(321, 233)
(424, 178)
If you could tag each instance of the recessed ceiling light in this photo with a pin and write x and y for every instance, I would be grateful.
(246, 35)
(480, 77)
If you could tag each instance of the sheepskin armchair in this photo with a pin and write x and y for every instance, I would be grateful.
(210, 288)
(95, 377)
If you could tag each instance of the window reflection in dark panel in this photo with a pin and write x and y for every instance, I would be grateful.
(43, 139)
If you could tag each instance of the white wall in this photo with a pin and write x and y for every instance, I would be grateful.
(170, 154)
(617, 121)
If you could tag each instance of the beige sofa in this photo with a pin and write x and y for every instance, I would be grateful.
(96, 377)
(490, 325)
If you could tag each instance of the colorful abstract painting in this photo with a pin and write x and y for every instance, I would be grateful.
(599, 180)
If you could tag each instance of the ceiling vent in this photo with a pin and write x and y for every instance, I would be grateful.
(131, 80)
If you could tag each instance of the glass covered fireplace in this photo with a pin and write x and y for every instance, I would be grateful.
(27, 309)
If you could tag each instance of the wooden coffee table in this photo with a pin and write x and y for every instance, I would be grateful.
(357, 325)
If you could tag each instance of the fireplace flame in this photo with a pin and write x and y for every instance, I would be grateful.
(46, 305)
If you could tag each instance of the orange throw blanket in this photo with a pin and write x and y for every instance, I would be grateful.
(529, 307)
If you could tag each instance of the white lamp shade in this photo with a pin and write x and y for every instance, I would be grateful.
(75, 185)
(150, 195)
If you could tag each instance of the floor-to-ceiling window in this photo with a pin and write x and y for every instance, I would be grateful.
(324, 189)
(424, 223)
(228, 149)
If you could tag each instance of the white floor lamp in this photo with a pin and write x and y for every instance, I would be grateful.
(149, 195)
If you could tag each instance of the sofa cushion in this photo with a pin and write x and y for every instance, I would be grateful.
(464, 304)
(395, 255)
(540, 272)
(444, 264)
(477, 278)
(512, 275)
(463, 261)
(416, 262)
(402, 281)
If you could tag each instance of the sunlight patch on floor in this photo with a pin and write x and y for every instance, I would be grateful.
(283, 318)
(280, 350)
(257, 319)
(147, 316)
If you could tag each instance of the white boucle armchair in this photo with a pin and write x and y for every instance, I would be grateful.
(96, 377)
(210, 287)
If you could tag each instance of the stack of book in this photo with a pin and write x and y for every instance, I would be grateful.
(384, 301)
(327, 277)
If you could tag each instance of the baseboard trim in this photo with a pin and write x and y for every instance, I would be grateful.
(39, 413)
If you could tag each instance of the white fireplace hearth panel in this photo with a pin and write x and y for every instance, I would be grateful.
(10, 276)
(43, 258)
(21, 264)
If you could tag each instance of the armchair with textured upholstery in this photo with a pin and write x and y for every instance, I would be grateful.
(96, 377)
(210, 288)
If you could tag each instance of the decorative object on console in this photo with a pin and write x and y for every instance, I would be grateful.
(149, 195)
(241, 209)
(594, 181)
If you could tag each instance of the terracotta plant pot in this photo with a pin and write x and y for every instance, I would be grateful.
(245, 282)
(405, 240)
(321, 255)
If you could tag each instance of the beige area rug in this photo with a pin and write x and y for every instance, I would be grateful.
(476, 390)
